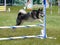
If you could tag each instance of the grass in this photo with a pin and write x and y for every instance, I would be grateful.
(53, 28)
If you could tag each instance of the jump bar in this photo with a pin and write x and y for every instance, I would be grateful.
(27, 26)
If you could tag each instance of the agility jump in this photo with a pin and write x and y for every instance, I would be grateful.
(43, 31)
(3, 6)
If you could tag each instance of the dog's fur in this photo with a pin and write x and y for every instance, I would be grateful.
(23, 15)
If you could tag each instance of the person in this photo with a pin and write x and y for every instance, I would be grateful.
(29, 4)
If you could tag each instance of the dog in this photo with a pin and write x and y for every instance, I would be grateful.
(23, 15)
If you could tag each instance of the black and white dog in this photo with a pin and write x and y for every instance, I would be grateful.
(34, 14)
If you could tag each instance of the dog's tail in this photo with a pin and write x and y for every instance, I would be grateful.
(22, 11)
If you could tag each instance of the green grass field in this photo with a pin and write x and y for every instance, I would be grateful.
(9, 19)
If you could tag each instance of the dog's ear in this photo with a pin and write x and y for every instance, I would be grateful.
(39, 9)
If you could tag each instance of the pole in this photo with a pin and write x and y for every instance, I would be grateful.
(51, 7)
(44, 18)
(5, 4)
(58, 6)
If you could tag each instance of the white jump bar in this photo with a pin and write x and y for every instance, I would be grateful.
(21, 26)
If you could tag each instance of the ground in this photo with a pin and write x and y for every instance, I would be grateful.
(52, 28)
